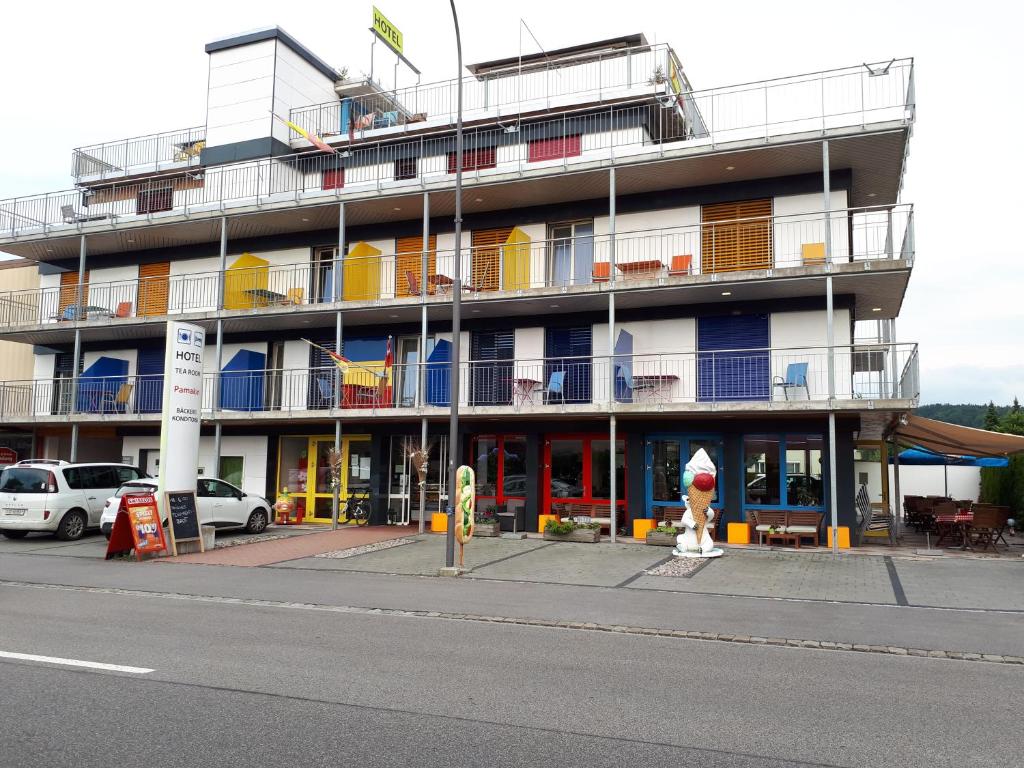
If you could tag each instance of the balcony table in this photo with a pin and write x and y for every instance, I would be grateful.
(657, 386)
(442, 283)
(523, 390)
(649, 268)
(262, 297)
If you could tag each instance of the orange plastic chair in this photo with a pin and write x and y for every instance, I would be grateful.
(681, 265)
(602, 271)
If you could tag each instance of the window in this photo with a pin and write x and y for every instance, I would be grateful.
(126, 474)
(766, 457)
(577, 469)
(500, 464)
(334, 178)
(154, 199)
(24, 480)
(405, 168)
(568, 351)
(553, 149)
(473, 159)
(230, 469)
(600, 477)
(566, 469)
(571, 254)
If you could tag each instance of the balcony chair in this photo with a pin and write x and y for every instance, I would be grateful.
(118, 401)
(796, 377)
(556, 386)
(601, 272)
(124, 309)
(414, 286)
(71, 217)
(681, 265)
(325, 387)
(812, 253)
(295, 296)
(375, 397)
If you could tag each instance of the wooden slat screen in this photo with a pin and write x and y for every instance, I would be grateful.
(728, 245)
(485, 266)
(154, 286)
(408, 258)
(69, 289)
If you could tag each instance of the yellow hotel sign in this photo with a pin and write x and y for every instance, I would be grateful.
(387, 31)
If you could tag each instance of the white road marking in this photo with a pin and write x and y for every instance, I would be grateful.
(75, 663)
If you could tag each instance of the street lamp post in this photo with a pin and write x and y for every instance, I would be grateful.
(453, 419)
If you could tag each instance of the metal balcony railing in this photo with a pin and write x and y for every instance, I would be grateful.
(641, 381)
(616, 133)
(139, 154)
(660, 256)
(590, 77)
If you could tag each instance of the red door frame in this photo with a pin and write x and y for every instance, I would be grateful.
(588, 438)
(499, 481)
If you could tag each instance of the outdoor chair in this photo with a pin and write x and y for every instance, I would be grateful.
(768, 522)
(796, 377)
(556, 387)
(681, 265)
(71, 217)
(375, 397)
(986, 526)
(124, 309)
(325, 387)
(601, 271)
(294, 296)
(812, 253)
(117, 402)
(414, 286)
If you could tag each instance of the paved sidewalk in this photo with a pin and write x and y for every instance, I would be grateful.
(293, 547)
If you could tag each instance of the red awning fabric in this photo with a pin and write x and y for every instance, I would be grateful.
(954, 440)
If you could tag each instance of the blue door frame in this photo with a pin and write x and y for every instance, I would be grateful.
(783, 476)
(685, 454)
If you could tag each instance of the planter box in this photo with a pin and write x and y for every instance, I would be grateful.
(659, 539)
(580, 535)
(487, 530)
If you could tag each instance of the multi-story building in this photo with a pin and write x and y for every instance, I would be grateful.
(647, 269)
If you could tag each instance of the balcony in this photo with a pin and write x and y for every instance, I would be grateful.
(688, 255)
(842, 103)
(364, 111)
(868, 376)
(173, 150)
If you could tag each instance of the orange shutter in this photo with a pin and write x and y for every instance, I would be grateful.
(408, 258)
(485, 266)
(736, 236)
(69, 289)
(154, 285)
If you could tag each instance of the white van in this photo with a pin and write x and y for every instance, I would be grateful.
(57, 497)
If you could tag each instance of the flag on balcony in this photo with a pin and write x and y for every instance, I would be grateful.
(312, 138)
(341, 361)
(388, 360)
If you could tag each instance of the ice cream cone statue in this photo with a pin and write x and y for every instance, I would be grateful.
(699, 479)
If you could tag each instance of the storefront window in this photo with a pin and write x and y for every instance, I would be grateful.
(804, 471)
(600, 464)
(666, 472)
(293, 465)
(485, 454)
(761, 475)
(514, 469)
(567, 469)
(359, 467)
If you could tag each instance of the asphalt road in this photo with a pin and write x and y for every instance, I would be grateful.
(242, 684)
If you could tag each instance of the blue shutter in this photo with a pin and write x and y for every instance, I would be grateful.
(570, 343)
(150, 390)
(439, 373)
(241, 381)
(723, 374)
(493, 353)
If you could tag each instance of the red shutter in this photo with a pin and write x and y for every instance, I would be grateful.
(334, 178)
(552, 149)
(472, 159)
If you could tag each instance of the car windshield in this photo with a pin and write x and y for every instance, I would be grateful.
(24, 480)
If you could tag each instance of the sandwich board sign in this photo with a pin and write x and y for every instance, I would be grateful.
(180, 420)
(183, 519)
(137, 526)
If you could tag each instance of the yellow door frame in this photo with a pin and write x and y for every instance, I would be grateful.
(310, 495)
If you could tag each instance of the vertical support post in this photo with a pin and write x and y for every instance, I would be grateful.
(221, 288)
(830, 340)
(613, 528)
(421, 358)
(897, 501)
(74, 443)
(893, 361)
(338, 273)
(453, 421)
(79, 302)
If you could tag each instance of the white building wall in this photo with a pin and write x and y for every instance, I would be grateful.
(799, 221)
(295, 379)
(963, 482)
(663, 348)
(529, 354)
(800, 337)
(252, 449)
(240, 95)
(298, 84)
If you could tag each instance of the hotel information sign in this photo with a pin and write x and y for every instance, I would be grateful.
(387, 32)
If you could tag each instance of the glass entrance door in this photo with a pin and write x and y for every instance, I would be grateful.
(304, 473)
(665, 462)
(403, 483)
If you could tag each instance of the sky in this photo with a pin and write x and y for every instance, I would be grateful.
(77, 73)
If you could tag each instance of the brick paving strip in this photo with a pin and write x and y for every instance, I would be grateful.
(293, 547)
(586, 626)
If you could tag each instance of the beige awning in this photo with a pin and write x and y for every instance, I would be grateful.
(954, 440)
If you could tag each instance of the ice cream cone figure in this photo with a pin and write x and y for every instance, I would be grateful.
(699, 479)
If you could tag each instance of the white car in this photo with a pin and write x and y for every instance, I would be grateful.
(57, 497)
(217, 502)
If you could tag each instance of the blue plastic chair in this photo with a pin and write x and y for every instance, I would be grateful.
(556, 386)
(796, 377)
(326, 387)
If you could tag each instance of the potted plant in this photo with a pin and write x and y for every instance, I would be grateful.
(486, 523)
(663, 536)
(570, 530)
(657, 76)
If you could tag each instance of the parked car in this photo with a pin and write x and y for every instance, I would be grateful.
(57, 497)
(218, 503)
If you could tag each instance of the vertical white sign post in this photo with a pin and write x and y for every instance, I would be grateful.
(182, 408)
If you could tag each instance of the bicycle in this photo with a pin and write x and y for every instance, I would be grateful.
(357, 510)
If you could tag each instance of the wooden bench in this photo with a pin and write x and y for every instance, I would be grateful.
(674, 516)
(788, 525)
(598, 513)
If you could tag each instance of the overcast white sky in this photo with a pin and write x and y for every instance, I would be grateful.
(78, 73)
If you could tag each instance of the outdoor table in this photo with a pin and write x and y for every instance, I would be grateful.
(523, 390)
(639, 269)
(656, 386)
(264, 296)
(442, 283)
(960, 523)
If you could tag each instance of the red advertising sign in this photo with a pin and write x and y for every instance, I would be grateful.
(137, 527)
(8, 456)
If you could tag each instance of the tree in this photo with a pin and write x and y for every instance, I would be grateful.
(1015, 408)
(991, 418)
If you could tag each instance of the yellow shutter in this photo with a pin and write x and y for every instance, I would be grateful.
(736, 236)
(154, 286)
(516, 267)
(408, 258)
(243, 281)
(486, 258)
(362, 273)
(69, 289)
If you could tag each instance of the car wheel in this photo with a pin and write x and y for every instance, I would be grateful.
(72, 526)
(257, 521)
(15, 534)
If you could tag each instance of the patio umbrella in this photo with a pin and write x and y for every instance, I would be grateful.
(918, 456)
